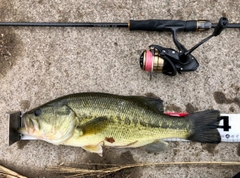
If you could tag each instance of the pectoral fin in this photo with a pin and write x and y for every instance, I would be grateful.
(94, 126)
(94, 148)
(156, 146)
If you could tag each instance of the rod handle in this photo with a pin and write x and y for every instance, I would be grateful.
(163, 25)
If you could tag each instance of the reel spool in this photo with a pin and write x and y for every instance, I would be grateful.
(151, 60)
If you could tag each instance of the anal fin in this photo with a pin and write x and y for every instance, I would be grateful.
(156, 146)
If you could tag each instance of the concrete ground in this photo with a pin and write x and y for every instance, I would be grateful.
(40, 64)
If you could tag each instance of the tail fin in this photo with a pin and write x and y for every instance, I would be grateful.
(204, 126)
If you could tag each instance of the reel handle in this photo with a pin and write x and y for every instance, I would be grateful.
(222, 24)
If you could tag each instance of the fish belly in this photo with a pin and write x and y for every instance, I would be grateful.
(124, 137)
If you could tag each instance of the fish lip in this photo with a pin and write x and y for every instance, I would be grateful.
(27, 122)
(25, 128)
(28, 127)
(23, 131)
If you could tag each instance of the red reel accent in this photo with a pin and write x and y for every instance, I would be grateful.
(177, 114)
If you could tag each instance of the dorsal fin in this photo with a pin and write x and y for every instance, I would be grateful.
(151, 102)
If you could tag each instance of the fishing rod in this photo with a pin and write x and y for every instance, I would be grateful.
(157, 58)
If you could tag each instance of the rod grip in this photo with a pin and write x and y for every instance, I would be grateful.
(163, 25)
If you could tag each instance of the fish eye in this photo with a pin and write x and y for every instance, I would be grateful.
(37, 112)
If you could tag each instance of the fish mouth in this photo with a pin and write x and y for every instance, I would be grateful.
(23, 131)
(30, 126)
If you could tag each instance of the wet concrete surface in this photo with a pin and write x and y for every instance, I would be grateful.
(40, 64)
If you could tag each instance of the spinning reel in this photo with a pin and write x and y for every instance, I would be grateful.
(156, 58)
(169, 61)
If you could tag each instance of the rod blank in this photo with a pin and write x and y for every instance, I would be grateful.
(63, 24)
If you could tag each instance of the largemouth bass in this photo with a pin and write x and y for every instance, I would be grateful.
(94, 120)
